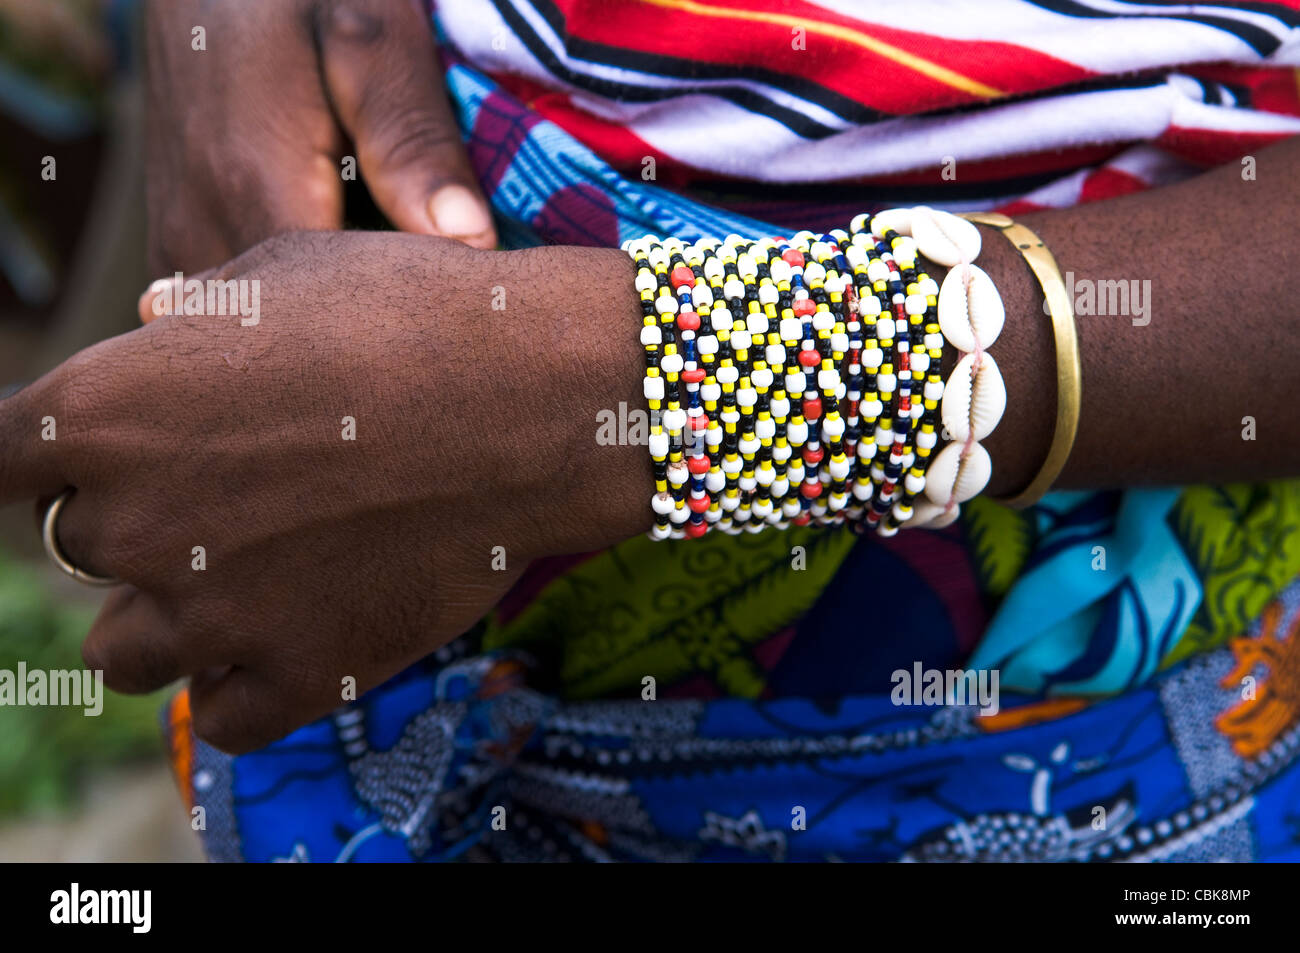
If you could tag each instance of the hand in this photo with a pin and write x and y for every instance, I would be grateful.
(247, 134)
(326, 557)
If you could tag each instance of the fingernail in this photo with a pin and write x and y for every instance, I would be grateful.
(157, 299)
(458, 213)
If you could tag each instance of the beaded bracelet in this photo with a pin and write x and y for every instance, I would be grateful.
(813, 375)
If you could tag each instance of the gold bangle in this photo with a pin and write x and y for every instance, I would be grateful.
(1069, 372)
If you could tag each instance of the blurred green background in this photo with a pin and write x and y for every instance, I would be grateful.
(72, 787)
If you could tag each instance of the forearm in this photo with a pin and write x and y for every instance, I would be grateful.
(1165, 392)
(1204, 342)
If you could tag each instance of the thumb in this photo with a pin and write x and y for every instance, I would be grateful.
(381, 73)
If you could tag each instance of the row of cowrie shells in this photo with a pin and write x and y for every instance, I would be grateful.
(971, 316)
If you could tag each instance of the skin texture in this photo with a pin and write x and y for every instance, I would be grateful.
(249, 134)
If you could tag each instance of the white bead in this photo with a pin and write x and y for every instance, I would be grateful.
(730, 465)
(671, 363)
(795, 383)
(839, 342)
(871, 409)
(832, 427)
(733, 288)
(713, 437)
(677, 473)
(872, 357)
(658, 255)
(658, 443)
(914, 483)
(701, 296)
(765, 429)
(646, 281)
(762, 377)
(767, 294)
(797, 434)
(905, 250)
(780, 407)
(780, 454)
(884, 328)
(711, 392)
(877, 270)
(839, 469)
(868, 305)
(823, 320)
(926, 441)
(790, 509)
(828, 380)
(715, 480)
(888, 383)
(943, 237)
(662, 503)
(779, 270)
(674, 420)
(746, 265)
(775, 354)
(934, 390)
(741, 340)
(915, 304)
(814, 272)
(749, 446)
(856, 256)
(762, 508)
(928, 287)
(727, 374)
(650, 334)
(746, 396)
(666, 304)
(934, 342)
(791, 329)
(756, 322)
(713, 268)
(707, 344)
(654, 388)
(920, 362)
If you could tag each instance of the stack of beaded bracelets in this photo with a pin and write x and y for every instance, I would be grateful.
(812, 369)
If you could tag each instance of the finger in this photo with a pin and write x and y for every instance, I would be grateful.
(381, 72)
(80, 532)
(32, 463)
(238, 710)
(135, 645)
(167, 295)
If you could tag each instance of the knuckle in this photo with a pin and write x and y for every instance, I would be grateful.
(414, 139)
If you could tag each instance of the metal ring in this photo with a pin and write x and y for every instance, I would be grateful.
(56, 554)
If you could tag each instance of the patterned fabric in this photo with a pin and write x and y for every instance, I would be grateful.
(719, 698)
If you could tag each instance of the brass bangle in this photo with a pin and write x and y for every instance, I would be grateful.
(1069, 372)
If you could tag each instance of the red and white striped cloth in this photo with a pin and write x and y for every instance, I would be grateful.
(1026, 103)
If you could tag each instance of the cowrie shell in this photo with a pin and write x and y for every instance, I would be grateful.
(931, 515)
(973, 401)
(952, 476)
(899, 219)
(970, 308)
(943, 237)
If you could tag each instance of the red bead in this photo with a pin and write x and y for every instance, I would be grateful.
(810, 358)
(698, 504)
(693, 375)
(804, 307)
(682, 275)
(793, 257)
(698, 465)
(810, 490)
(688, 321)
(811, 456)
(905, 361)
(698, 422)
(803, 519)
(696, 530)
(812, 408)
